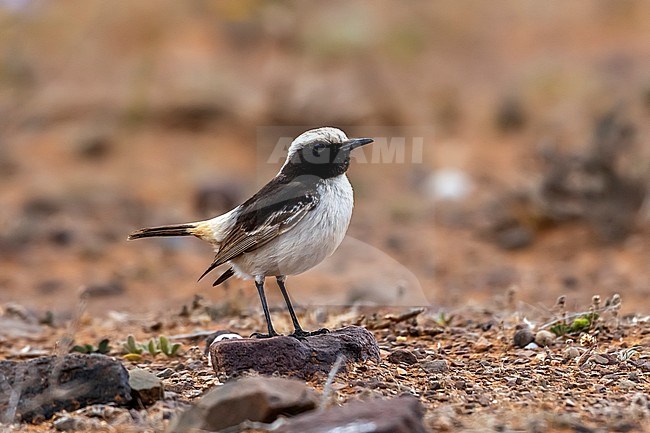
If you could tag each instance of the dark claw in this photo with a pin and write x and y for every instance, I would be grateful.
(260, 335)
(300, 334)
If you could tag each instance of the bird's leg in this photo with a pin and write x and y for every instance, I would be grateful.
(259, 283)
(298, 332)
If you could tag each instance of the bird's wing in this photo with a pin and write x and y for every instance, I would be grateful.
(271, 212)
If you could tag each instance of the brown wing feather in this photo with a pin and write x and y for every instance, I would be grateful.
(241, 241)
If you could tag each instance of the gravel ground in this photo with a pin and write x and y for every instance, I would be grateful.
(464, 368)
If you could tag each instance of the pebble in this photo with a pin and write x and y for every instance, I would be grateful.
(599, 359)
(572, 352)
(544, 338)
(482, 345)
(514, 238)
(523, 337)
(436, 366)
(401, 356)
(146, 388)
(166, 373)
(626, 384)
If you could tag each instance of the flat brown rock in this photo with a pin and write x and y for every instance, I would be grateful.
(396, 415)
(289, 356)
(260, 399)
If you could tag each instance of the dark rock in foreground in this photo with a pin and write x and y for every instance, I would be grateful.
(39, 388)
(260, 399)
(292, 357)
(397, 415)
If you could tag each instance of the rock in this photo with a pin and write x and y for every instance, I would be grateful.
(572, 352)
(111, 288)
(260, 399)
(94, 146)
(166, 373)
(396, 415)
(523, 337)
(146, 388)
(436, 366)
(544, 338)
(18, 328)
(482, 345)
(290, 356)
(50, 384)
(68, 423)
(510, 114)
(626, 384)
(401, 356)
(514, 238)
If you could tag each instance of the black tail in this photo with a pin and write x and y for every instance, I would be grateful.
(229, 273)
(175, 230)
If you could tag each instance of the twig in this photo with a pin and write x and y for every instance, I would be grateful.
(390, 319)
(327, 389)
(14, 396)
(190, 335)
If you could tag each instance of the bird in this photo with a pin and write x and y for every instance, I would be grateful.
(290, 225)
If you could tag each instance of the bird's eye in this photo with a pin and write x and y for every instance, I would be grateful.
(318, 148)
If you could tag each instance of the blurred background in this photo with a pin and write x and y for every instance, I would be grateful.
(533, 117)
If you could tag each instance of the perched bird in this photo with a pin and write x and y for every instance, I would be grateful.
(290, 225)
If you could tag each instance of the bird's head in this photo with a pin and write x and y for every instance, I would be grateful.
(322, 152)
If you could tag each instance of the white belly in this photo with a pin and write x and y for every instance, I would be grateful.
(313, 239)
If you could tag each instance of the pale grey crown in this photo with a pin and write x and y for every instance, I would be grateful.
(328, 134)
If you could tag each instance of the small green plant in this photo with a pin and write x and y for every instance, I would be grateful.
(579, 324)
(167, 348)
(442, 319)
(103, 347)
(131, 347)
(134, 350)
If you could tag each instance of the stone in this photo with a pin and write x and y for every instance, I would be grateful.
(572, 352)
(436, 366)
(401, 356)
(260, 399)
(396, 415)
(544, 338)
(482, 345)
(514, 238)
(166, 373)
(146, 387)
(523, 337)
(50, 384)
(100, 290)
(289, 356)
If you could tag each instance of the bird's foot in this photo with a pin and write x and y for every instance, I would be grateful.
(301, 334)
(260, 335)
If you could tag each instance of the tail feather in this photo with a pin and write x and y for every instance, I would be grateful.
(172, 230)
(229, 273)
